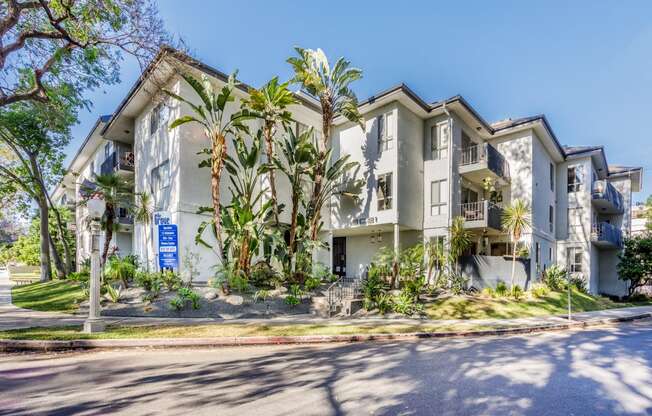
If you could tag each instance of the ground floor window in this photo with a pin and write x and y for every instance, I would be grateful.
(574, 259)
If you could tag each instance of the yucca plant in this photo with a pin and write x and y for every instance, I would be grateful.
(459, 240)
(119, 269)
(516, 221)
(211, 114)
(331, 86)
(271, 103)
(116, 192)
(113, 294)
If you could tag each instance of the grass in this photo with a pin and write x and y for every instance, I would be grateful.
(555, 303)
(54, 296)
(229, 330)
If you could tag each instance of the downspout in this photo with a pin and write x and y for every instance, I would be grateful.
(450, 165)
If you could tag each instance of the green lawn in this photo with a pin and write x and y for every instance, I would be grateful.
(231, 330)
(463, 307)
(54, 296)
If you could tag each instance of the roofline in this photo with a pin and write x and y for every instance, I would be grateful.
(627, 171)
(183, 57)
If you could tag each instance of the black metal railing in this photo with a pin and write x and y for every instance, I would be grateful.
(604, 190)
(486, 212)
(603, 231)
(485, 152)
(343, 288)
(122, 158)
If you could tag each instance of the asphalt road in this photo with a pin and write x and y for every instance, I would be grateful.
(592, 372)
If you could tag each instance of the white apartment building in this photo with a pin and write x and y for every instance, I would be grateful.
(421, 164)
(639, 219)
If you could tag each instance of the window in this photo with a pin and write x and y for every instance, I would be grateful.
(549, 254)
(385, 131)
(156, 118)
(107, 150)
(537, 253)
(384, 191)
(574, 259)
(438, 198)
(92, 168)
(160, 177)
(575, 178)
(551, 217)
(439, 135)
(552, 177)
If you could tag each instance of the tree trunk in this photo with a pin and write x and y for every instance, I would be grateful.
(62, 237)
(293, 230)
(108, 231)
(327, 118)
(513, 264)
(217, 161)
(147, 248)
(46, 268)
(58, 262)
(269, 141)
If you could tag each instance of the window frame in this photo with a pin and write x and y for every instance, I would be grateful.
(578, 178)
(441, 205)
(385, 202)
(571, 256)
(439, 150)
(551, 217)
(384, 137)
(552, 177)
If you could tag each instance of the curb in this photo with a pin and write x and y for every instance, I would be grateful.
(82, 344)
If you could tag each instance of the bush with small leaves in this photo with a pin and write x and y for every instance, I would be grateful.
(539, 290)
(579, 284)
(292, 300)
(177, 304)
(384, 303)
(405, 304)
(516, 292)
(171, 280)
(311, 283)
(555, 277)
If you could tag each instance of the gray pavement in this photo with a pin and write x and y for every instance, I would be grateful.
(601, 371)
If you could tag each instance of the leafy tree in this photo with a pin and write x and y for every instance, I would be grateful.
(116, 193)
(332, 87)
(458, 242)
(52, 48)
(31, 138)
(648, 213)
(635, 265)
(516, 221)
(211, 114)
(271, 103)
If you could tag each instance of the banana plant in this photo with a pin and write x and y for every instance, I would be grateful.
(212, 115)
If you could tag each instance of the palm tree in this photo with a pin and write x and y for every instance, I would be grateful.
(271, 103)
(142, 213)
(516, 221)
(297, 156)
(460, 240)
(116, 192)
(331, 86)
(211, 114)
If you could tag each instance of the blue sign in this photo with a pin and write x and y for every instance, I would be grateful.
(168, 246)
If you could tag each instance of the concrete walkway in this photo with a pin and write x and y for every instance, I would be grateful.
(12, 317)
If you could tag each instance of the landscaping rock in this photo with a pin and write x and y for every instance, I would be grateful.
(234, 300)
(210, 295)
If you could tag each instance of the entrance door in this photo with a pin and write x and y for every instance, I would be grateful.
(339, 256)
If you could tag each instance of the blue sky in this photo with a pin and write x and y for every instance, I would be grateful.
(585, 64)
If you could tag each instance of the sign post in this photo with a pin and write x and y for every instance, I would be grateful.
(168, 246)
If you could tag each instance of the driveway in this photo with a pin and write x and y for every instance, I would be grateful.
(600, 371)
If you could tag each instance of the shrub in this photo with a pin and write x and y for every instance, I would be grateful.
(578, 284)
(148, 297)
(148, 280)
(177, 304)
(263, 275)
(516, 292)
(372, 288)
(81, 276)
(501, 289)
(112, 294)
(458, 283)
(322, 272)
(184, 296)
(414, 287)
(384, 303)
(119, 269)
(539, 290)
(555, 277)
(171, 280)
(292, 300)
(405, 304)
(312, 283)
(488, 292)
(239, 282)
(261, 295)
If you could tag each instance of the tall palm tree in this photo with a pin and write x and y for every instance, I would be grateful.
(270, 102)
(331, 85)
(516, 221)
(116, 192)
(142, 213)
(211, 114)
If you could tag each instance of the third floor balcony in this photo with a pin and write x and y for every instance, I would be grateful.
(481, 161)
(606, 198)
(119, 161)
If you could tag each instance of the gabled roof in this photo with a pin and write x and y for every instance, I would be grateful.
(573, 150)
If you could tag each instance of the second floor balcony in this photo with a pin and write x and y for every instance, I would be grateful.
(605, 235)
(121, 160)
(606, 198)
(482, 214)
(482, 161)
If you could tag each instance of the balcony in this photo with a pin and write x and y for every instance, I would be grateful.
(482, 161)
(605, 235)
(482, 214)
(606, 198)
(120, 161)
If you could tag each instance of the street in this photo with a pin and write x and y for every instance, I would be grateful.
(604, 370)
